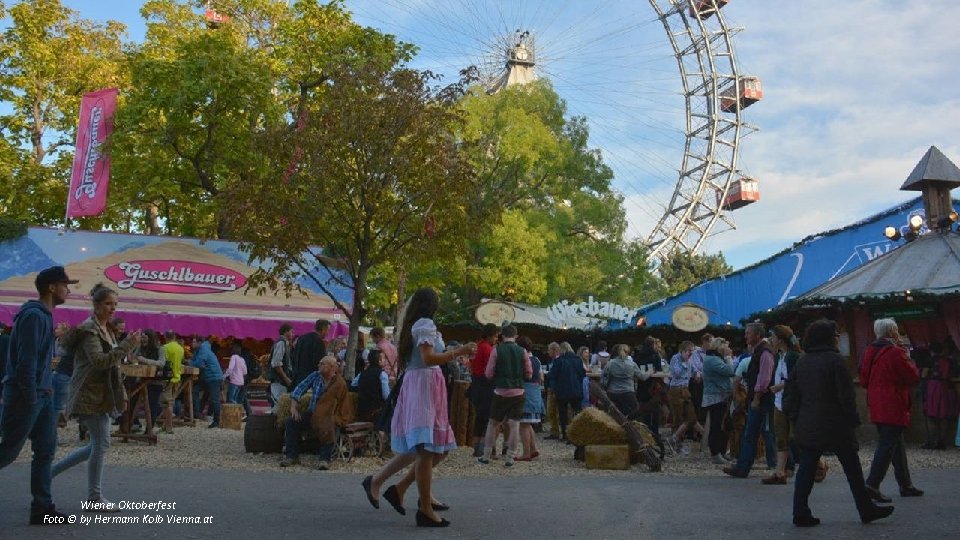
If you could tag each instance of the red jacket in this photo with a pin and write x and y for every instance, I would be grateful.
(888, 375)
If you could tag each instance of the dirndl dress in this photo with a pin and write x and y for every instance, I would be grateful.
(941, 399)
(421, 417)
(533, 409)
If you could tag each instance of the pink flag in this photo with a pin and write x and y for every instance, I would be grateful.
(91, 168)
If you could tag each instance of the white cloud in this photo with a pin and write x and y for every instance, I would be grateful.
(855, 93)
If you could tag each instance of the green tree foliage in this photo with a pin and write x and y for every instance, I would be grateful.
(680, 271)
(371, 173)
(546, 224)
(201, 97)
(49, 58)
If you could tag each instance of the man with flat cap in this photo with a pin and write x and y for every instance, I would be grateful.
(28, 390)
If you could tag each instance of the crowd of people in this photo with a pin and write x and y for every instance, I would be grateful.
(797, 395)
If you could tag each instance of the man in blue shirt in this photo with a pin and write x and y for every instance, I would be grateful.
(318, 383)
(28, 391)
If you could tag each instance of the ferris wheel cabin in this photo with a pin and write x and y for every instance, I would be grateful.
(739, 96)
(741, 193)
(704, 9)
(214, 19)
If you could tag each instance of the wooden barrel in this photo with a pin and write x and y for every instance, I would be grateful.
(231, 415)
(261, 435)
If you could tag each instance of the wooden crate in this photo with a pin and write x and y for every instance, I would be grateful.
(189, 370)
(138, 370)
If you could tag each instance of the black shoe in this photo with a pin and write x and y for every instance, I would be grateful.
(733, 471)
(392, 497)
(552, 437)
(366, 488)
(806, 521)
(877, 512)
(876, 495)
(50, 516)
(911, 492)
(424, 521)
(213, 425)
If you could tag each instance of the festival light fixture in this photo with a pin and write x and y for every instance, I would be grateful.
(915, 222)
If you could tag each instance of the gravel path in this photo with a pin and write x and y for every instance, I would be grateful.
(203, 448)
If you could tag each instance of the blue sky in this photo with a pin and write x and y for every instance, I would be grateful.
(854, 94)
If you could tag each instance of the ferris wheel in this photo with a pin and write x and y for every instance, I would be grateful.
(665, 111)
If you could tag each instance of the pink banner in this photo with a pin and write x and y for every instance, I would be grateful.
(91, 168)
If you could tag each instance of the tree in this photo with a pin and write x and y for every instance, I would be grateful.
(203, 97)
(49, 58)
(682, 270)
(371, 173)
(546, 200)
(187, 126)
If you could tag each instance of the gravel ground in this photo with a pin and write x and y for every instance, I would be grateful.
(203, 448)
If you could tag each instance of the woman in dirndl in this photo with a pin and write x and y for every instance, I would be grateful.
(533, 409)
(420, 430)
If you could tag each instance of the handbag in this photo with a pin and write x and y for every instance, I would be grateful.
(386, 414)
(166, 372)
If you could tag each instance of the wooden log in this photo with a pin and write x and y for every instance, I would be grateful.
(634, 437)
(231, 415)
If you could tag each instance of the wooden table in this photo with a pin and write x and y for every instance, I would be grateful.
(185, 386)
(144, 375)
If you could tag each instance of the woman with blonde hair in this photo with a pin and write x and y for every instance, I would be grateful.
(96, 393)
(619, 380)
(716, 396)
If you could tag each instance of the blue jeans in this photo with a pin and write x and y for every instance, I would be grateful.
(213, 394)
(233, 393)
(769, 435)
(751, 435)
(291, 436)
(243, 399)
(807, 466)
(61, 385)
(94, 453)
(38, 422)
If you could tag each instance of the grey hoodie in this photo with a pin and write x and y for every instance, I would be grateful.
(31, 351)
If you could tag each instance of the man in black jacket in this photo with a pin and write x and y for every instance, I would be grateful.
(309, 350)
(565, 379)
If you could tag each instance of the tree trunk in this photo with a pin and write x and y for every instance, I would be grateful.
(153, 215)
(401, 298)
(356, 317)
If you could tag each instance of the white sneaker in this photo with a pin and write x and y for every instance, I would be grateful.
(101, 505)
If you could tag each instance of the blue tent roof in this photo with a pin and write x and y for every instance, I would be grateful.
(790, 273)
